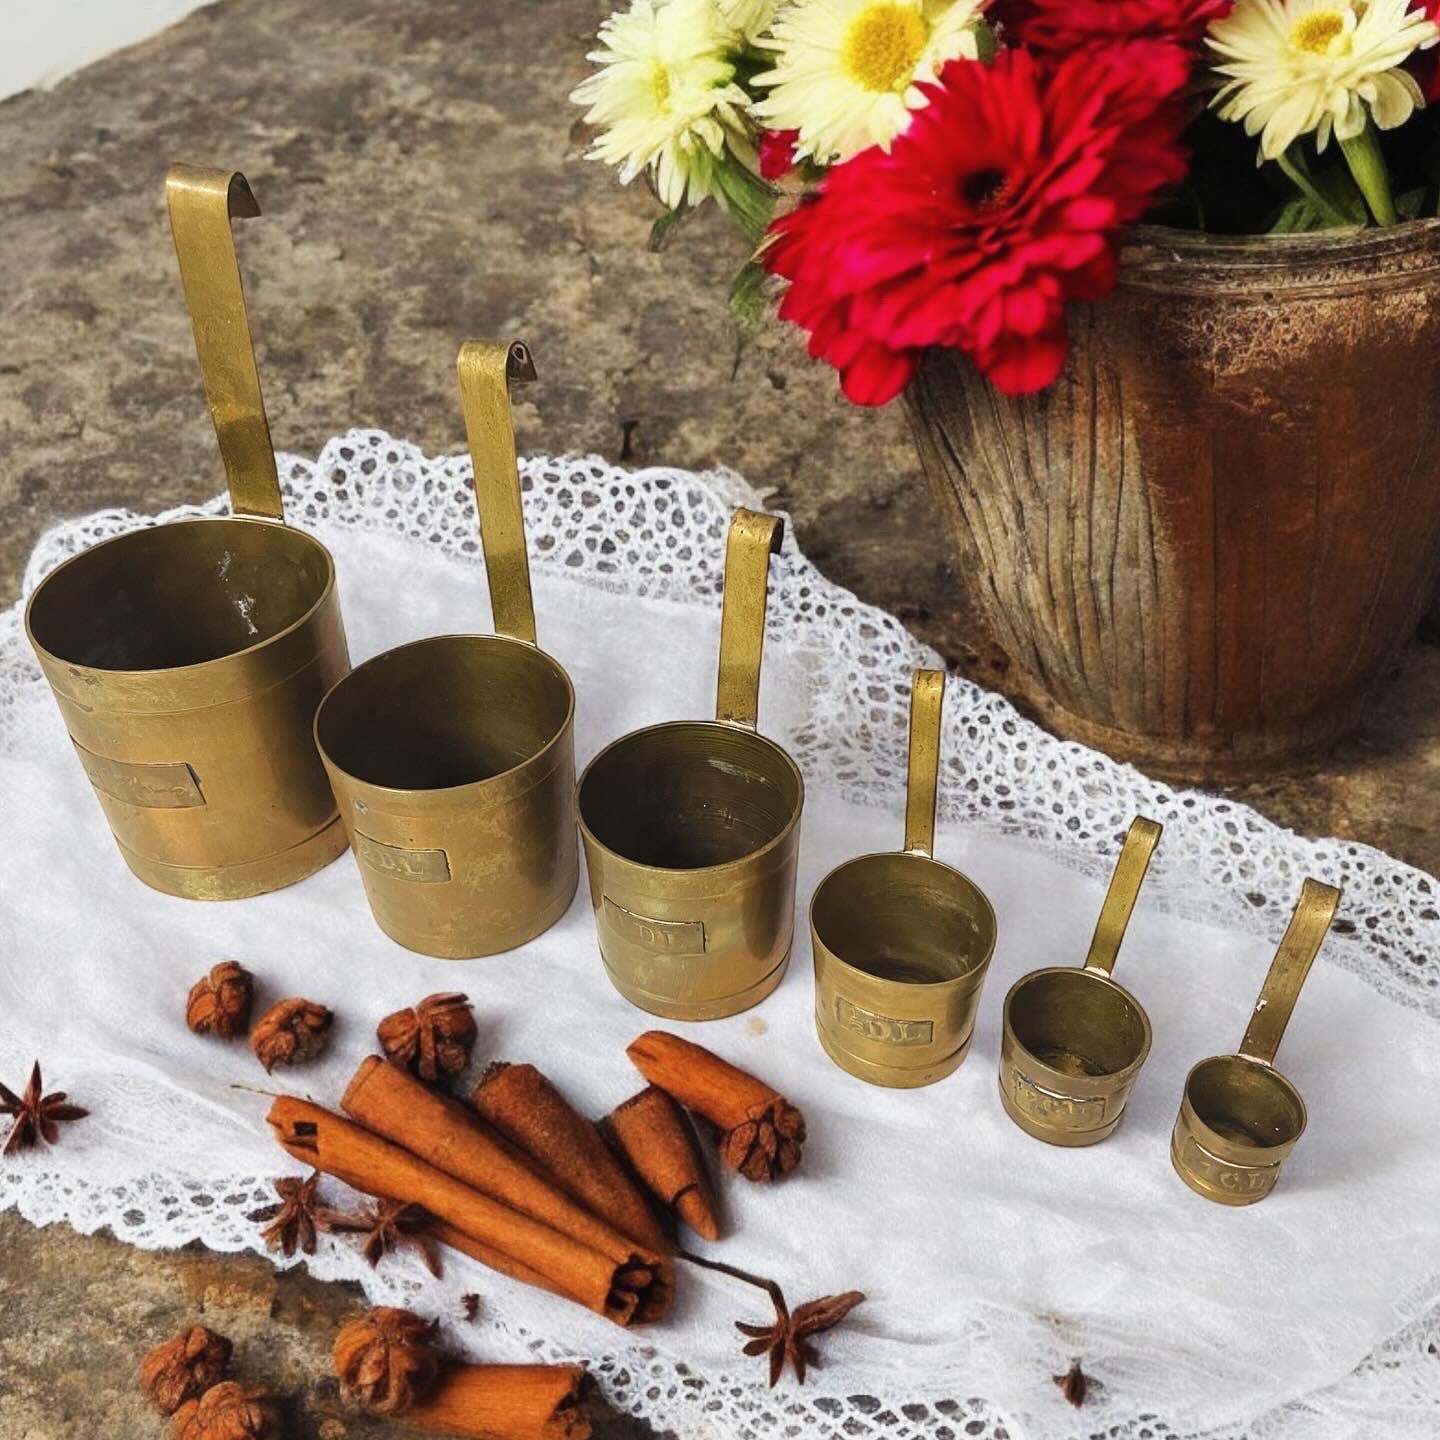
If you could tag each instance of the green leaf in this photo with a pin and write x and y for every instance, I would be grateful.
(1367, 164)
(665, 227)
(747, 300)
(749, 199)
(1409, 205)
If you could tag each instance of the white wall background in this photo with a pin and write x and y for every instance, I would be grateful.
(43, 40)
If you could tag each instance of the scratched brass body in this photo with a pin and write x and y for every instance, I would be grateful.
(1240, 1117)
(902, 942)
(187, 659)
(1072, 1040)
(691, 829)
(453, 758)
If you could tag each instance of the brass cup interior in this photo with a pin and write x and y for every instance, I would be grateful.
(446, 711)
(689, 795)
(1078, 1023)
(1246, 1102)
(904, 918)
(180, 594)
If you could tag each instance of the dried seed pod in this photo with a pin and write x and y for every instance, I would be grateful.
(220, 1003)
(228, 1411)
(291, 1033)
(183, 1368)
(433, 1038)
(386, 1359)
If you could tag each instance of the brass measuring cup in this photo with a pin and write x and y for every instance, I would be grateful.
(691, 829)
(1240, 1117)
(1073, 1040)
(902, 942)
(187, 659)
(453, 758)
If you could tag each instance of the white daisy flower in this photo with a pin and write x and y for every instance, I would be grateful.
(847, 72)
(749, 19)
(1300, 66)
(667, 96)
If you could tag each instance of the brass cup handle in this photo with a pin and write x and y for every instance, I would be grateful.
(753, 539)
(202, 203)
(927, 700)
(485, 371)
(1298, 949)
(1140, 842)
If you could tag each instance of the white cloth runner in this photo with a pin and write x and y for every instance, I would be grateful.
(990, 1260)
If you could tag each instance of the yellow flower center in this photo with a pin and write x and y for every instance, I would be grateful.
(660, 80)
(883, 45)
(1315, 33)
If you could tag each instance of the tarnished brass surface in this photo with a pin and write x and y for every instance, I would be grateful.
(902, 942)
(1073, 1040)
(691, 829)
(188, 659)
(453, 758)
(1240, 1118)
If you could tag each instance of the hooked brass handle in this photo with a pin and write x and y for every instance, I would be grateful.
(1301, 943)
(485, 371)
(927, 700)
(752, 540)
(1140, 842)
(202, 202)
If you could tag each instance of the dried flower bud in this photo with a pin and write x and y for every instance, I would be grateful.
(183, 1368)
(220, 1003)
(386, 1360)
(432, 1039)
(228, 1411)
(291, 1033)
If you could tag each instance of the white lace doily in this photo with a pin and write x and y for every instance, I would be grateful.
(960, 1337)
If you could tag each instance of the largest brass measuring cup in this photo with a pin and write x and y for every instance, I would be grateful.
(691, 829)
(902, 941)
(1240, 1117)
(453, 758)
(1073, 1040)
(187, 659)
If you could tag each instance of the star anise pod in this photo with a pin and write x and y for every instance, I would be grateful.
(1074, 1384)
(294, 1222)
(38, 1116)
(470, 1306)
(390, 1225)
(433, 1038)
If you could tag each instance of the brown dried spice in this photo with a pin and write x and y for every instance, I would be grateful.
(291, 1032)
(432, 1039)
(220, 1003)
(294, 1223)
(386, 1360)
(1074, 1384)
(38, 1116)
(183, 1368)
(228, 1411)
(390, 1225)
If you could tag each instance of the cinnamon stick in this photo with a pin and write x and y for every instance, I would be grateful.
(393, 1103)
(529, 1111)
(760, 1131)
(653, 1134)
(506, 1402)
(369, 1163)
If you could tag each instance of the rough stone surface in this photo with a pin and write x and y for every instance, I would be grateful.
(421, 175)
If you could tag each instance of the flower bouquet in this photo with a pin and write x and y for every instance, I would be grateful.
(1159, 279)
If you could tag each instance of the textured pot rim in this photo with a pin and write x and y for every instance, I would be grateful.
(1157, 258)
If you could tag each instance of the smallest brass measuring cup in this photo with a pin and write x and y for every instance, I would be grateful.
(1073, 1040)
(1240, 1117)
(902, 941)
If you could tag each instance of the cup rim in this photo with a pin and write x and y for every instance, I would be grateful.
(920, 986)
(780, 838)
(1197, 1122)
(196, 668)
(399, 791)
(1062, 1079)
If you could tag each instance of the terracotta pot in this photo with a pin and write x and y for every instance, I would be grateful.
(1205, 544)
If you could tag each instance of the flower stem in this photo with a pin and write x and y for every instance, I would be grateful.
(1294, 168)
(1367, 165)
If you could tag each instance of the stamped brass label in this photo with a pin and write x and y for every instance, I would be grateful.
(1046, 1106)
(882, 1028)
(669, 937)
(151, 787)
(425, 867)
(1237, 1179)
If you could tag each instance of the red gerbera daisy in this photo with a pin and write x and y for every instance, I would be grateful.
(777, 152)
(1067, 24)
(997, 205)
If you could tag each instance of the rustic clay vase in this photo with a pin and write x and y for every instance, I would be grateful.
(1205, 544)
